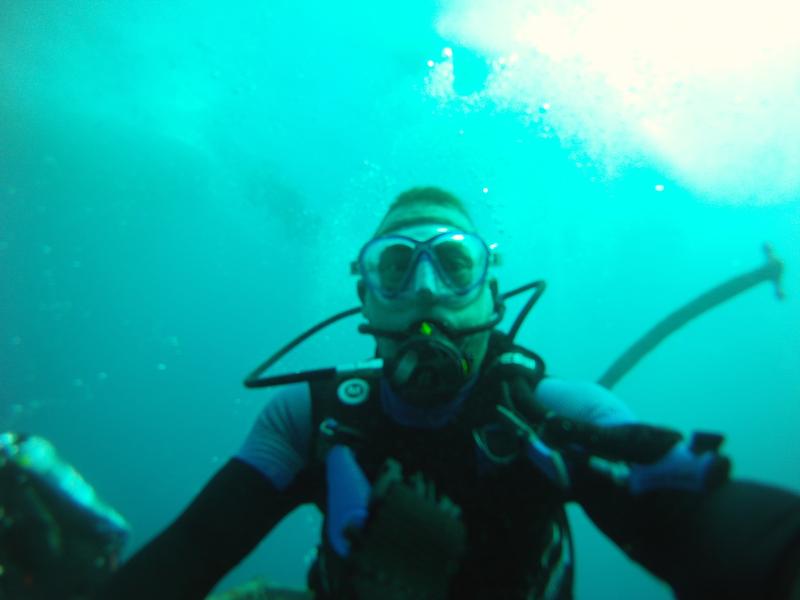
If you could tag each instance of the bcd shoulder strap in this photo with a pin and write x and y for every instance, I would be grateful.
(343, 411)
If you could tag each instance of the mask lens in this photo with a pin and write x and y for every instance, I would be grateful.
(392, 266)
(462, 260)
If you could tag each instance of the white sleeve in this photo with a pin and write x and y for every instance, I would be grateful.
(583, 401)
(279, 444)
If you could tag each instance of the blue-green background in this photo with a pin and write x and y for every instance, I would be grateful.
(182, 188)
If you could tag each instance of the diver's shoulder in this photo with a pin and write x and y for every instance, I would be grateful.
(288, 408)
(583, 400)
(290, 394)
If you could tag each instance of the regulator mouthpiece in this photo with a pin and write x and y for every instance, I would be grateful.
(428, 368)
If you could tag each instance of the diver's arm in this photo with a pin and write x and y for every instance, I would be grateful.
(229, 517)
(740, 540)
(788, 582)
(237, 508)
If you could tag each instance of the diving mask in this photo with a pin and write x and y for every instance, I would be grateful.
(459, 259)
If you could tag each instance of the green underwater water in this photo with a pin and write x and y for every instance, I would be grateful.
(182, 188)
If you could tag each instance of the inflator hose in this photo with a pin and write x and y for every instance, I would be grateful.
(772, 270)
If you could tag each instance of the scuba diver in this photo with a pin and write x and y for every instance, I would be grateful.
(443, 464)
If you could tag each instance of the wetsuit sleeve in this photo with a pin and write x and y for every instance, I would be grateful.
(279, 444)
(740, 541)
(230, 516)
(234, 511)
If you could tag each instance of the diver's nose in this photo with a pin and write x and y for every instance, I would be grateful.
(425, 283)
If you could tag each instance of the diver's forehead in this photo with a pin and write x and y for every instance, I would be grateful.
(423, 231)
(425, 215)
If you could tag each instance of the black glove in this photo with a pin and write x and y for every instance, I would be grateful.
(57, 539)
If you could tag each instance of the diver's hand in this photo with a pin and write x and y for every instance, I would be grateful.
(57, 539)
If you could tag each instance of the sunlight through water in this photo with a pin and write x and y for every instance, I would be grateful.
(707, 91)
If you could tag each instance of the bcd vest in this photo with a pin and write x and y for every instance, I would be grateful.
(518, 544)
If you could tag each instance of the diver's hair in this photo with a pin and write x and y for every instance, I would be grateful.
(426, 195)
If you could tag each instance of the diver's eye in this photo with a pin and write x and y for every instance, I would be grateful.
(456, 262)
(393, 265)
